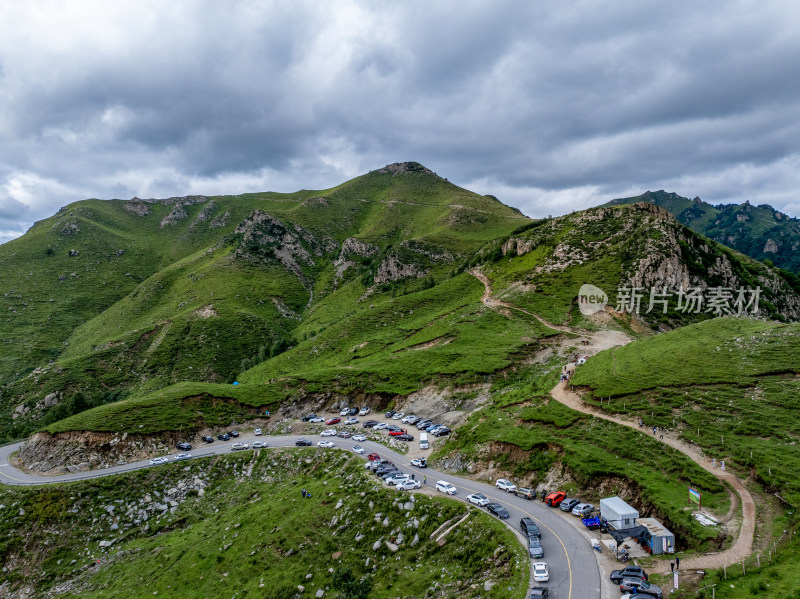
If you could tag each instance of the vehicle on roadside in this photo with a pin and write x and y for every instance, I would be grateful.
(445, 487)
(388, 473)
(540, 572)
(441, 432)
(183, 456)
(406, 418)
(555, 498)
(258, 432)
(358, 449)
(409, 484)
(582, 509)
(238, 446)
(432, 427)
(380, 426)
(331, 432)
(423, 424)
(389, 413)
(373, 456)
(364, 411)
(628, 572)
(396, 432)
(259, 445)
(423, 441)
(157, 461)
(344, 412)
(396, 478)
(344, 434)
(317, 419)
(405, 437)
(568, 503)
(642, 587)
(529, 528)
(498, 510)
(393, 428)
(369, 423)
(352, 411)
(526, 493)
(596, 522)
(208, 439)
(335, 420)
(539, 593)
(478, 499)
(351, 420)
(308, 417)
(505, 485)
(224, 437)
(420, 462)
(360, 438)
(325, 444)
(303, 443)
(397, 416)
(183, 445)
(234, 433)
(413, 420)
(535, 548)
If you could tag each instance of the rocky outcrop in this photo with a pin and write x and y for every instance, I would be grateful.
(770, 247)
(392, 269)
(204, 214)
(137, 206)
(399, 168)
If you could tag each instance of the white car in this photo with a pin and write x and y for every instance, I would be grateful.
(505, 485)
(408, 485)
(358, 449)
(157, 461)
(405, 419)
(325, 443)
(445, 487)
(238, 446)
(478, 499)
(344, 412)
(397, 478)
(259, 445)
(363, 411)
(359, 438)
(540, 573)
(317, 419)
(582, 509)
(419, 462)
(258, 432)
(380, 426)
(398, 416)
(331, 432)
(183, 456)
(351, 420)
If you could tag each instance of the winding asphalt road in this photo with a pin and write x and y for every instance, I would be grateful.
(574, 573)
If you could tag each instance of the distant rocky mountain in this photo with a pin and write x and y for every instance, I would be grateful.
(760, 231)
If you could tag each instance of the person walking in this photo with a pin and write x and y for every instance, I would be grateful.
(641, 422)
(714, 462)
(654, 431)
(723, 465)
(424, 479)
(677, 563)
(661, 433)
(304, 493)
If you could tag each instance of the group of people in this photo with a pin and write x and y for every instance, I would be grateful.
(656, 429)
(721, 464)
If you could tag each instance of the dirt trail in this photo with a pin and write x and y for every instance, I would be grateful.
(743, 546)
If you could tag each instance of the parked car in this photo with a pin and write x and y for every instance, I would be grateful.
(183, 456)
(498, 510)
(344, 434)
(259, 445)
(373, 456)
(393, 428)
(505, 485)
(380, 426)
(345, 412)
(413, 419)
(445, 487)
(308, 417)
(526, 493)
(359, 438)
(389, 413)
(539, 593)
(234, 433)
(303, 443)
(420, 462)
(184, 445)
(238, 446)
(529, 528)
(540, 572)
(331, 421)
(555, 498)
(358, 449)
(208, 439)
(317, 419)
(324, 443)
(364, 411)
(352, 411)
(582, 509)
(478, 499)
(389, 473)
(535, 548)
(569, 503)
(224, 437)
(628, 572)
(397, 416)
(370, 423)
(642, 586)
(396, 478)
(409, 484)
(406, 418)
(441, 432)
(331, 432)
(351, 420)
(157, 461)
(258, 432)
(423, 424)
(405, 437)
(396, 433)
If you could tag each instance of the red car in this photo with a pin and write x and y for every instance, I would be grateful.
(555, 498)
(373, 456)
(333, 421)
(397, 433)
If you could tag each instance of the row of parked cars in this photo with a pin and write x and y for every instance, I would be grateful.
(391, 474)
(572, 505)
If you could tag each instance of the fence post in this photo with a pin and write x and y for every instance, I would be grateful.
(743, 572)
(725, 571)
(758, 560)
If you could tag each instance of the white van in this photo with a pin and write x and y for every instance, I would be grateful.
(423, 441)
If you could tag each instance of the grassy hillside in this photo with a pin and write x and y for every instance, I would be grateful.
(237, 525)
(757, 231)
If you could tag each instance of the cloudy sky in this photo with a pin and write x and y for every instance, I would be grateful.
(551, 106)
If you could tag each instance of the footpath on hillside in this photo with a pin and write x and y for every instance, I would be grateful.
(743, 546)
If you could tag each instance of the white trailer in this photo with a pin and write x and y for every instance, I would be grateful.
(618, 513)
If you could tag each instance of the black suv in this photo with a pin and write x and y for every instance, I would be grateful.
(184, 445)
(308, 417)
(352, 411)
(370, 423)
(389, 414)
(234, 433)
(208, 439)
(224, 437)
(498, 510)
(529, 528)
(423, 424)
(303, 443)
(535, 547)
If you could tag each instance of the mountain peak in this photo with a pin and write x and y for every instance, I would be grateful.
(399, 168)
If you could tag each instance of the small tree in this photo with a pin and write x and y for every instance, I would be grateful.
(349, 587)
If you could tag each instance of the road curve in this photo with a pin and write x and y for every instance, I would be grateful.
(574, 573)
